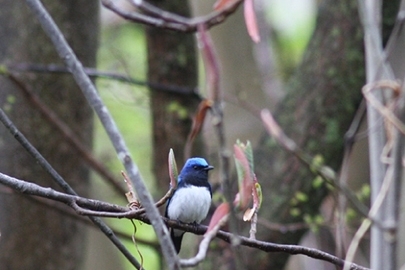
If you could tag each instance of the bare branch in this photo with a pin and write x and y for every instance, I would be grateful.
(29, 188)
(65, 210)
(95, 206)
(383, 110)
(170, 21)
(204, 244)
(94, 73)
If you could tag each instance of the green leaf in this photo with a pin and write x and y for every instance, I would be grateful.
(295, 212)
(249, 156)
(259, 194)
(302, 197)
(317, 182)
(4, 70)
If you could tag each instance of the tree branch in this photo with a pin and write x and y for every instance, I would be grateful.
(166, 20)
(94, 73)
(36, 190)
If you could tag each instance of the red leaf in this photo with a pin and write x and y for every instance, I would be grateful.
(245, 184)
(221, 211)
(210, 63)
(250, 20)
(275, 130)
(222, 3)
(199, 118)
(198, 122)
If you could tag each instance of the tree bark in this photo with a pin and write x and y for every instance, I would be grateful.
(171, 61)
(321, 99)
(34, 237)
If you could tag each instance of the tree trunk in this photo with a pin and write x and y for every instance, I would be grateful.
(171, 61)
(34, 237)
(322, 97)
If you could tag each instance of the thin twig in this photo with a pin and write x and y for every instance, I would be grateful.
(204, 244)
(94, 73)
(65, 210)
(365, 225)
(158, 12)
(170, 21)
(383, 110)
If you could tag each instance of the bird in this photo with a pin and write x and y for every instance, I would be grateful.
(191, 200)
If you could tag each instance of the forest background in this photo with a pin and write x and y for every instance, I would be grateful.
(308, 69)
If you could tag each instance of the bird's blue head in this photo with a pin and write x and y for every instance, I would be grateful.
(195, 172)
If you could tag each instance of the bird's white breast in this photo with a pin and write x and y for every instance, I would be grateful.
(189, 204)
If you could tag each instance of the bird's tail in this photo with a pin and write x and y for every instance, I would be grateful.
(177, 237)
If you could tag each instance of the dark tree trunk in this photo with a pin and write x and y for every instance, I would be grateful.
(172, 61)
(33, 236)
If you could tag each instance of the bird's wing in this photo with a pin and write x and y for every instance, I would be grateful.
(167, 206)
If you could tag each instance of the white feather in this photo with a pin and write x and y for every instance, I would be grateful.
(189, 204)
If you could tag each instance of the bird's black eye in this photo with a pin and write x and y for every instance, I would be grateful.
(195, 167)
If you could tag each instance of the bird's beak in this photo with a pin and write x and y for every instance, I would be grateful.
(208, 168)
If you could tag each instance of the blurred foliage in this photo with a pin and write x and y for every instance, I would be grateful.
(123, 50)
(292, 23)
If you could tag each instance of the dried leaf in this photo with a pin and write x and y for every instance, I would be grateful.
(221, 211)
(130, 195)
(198, 122)
(250, 20)
(199, 118)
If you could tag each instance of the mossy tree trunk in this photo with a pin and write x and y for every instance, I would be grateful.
(321, 99)
(34, 236)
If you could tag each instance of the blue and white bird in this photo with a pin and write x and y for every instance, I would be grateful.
(191, 200)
